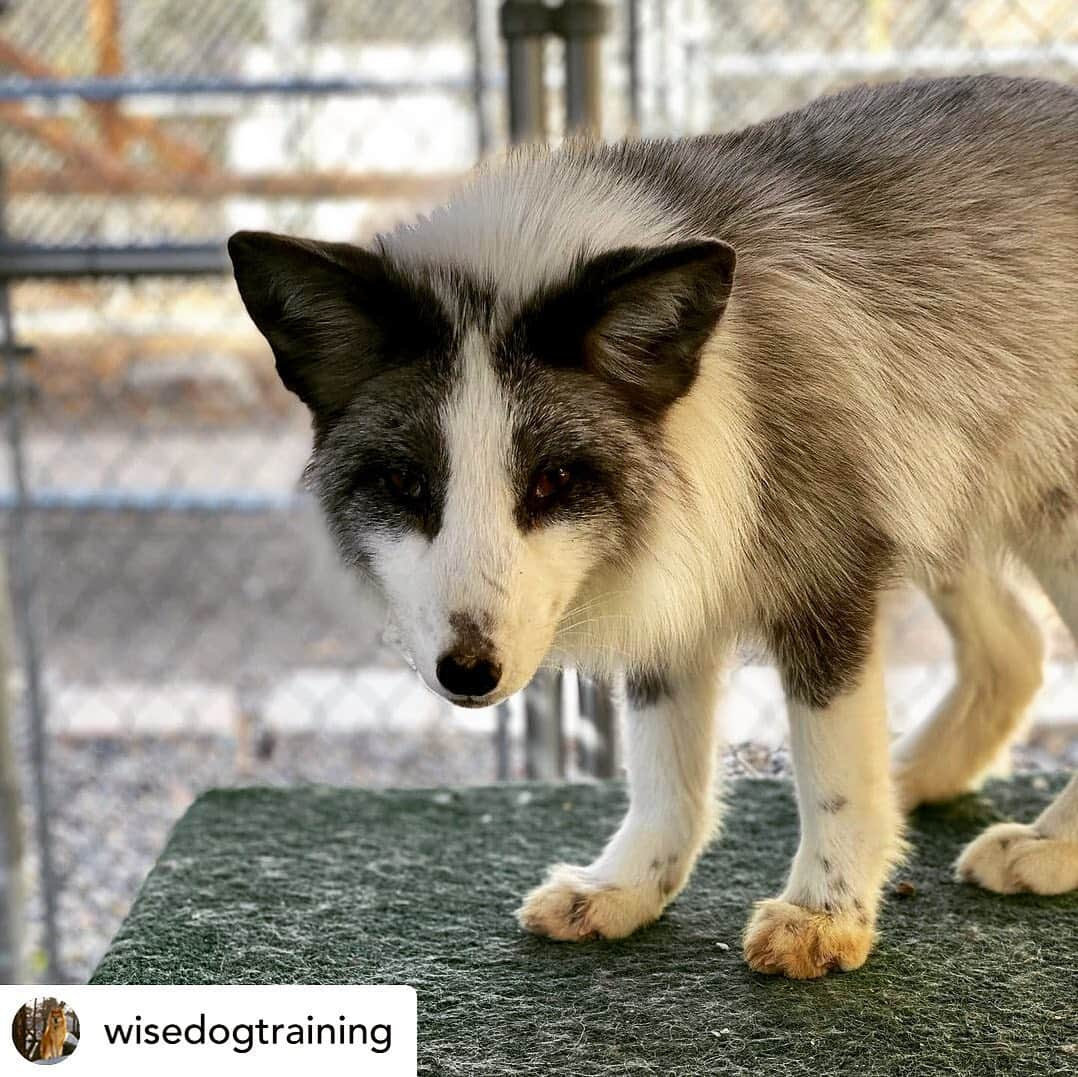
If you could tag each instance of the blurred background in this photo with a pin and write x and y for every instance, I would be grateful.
(179, 620)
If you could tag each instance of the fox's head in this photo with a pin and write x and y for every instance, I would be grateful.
(56, 1018)
(479, 451)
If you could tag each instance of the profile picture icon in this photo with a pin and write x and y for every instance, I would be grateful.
(45, 1031)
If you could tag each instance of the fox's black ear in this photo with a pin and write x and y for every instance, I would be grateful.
(334, 314)
(637, 317)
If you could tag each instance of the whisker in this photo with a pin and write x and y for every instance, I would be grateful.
(594, 620)
(597, 600)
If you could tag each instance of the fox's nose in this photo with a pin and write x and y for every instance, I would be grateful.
(467, 674)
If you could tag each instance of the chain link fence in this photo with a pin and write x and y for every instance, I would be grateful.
(711, 65)
(189, 619)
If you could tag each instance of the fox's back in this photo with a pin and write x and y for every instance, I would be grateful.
(907, 281)
(907, 276)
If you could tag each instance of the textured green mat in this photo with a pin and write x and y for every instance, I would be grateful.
(418, 887)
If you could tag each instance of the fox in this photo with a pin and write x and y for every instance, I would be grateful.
(635, 405)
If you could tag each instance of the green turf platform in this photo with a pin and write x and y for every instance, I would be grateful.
(337, 886)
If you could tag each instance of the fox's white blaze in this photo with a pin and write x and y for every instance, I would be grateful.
(480, 566)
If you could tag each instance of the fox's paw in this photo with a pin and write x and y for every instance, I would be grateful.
(572, 905)
(801, 943)
(1012, 858)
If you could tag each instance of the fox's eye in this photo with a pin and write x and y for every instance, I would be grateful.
(548, 484)
(404, 484)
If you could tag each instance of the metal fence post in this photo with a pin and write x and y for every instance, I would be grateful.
(582, 23)
(632, 16)
(11, 840)
(22, 593)
(479, 76)
(524, 25)
(599, 704)
(544, 733)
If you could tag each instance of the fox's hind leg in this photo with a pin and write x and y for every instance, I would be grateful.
(1041, 857)
(999, 656)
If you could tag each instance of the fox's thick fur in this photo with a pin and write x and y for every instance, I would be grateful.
(632, 404)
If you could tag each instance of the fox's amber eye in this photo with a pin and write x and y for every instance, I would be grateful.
(549, 483)
(405, 484)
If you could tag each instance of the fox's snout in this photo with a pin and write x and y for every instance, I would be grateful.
(470, 666)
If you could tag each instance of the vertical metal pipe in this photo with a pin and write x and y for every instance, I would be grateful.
(22, 593)
(501, 742)
(479, 74)
(544, 727)
(11, 840)
(527, 114)
(583, 91)
(598, 704)
(523, 25)
(632, 14)
(583, 23)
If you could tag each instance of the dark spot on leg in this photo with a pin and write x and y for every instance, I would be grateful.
(862, 919)
(656, 865)
(646, 687)
(672, 858)
(858, 905)
(833, 805)
(825, 864)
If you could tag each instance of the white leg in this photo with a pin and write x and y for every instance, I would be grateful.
(999, 656)
(850, 837)
(671, 758)
(1041, 858)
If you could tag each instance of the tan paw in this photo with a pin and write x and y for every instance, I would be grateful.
(1012, 858)
(572, 906)
(801, 943)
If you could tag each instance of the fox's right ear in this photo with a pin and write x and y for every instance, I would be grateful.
(334, 314)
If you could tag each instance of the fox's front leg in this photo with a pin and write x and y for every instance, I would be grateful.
(825, 918)
(670, 757)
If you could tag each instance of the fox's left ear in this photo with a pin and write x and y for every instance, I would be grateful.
(636, 317)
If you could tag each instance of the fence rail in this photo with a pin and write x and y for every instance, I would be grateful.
(26, 261)
(118, 89)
